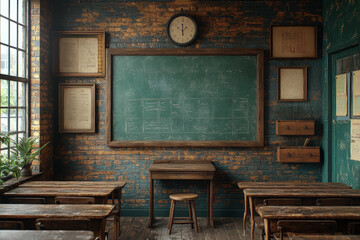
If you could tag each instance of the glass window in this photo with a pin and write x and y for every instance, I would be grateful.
(14, 57)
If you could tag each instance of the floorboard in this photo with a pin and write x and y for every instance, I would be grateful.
(135, 228)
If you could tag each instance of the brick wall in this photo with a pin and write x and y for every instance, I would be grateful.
(222, 24)
(41, 88)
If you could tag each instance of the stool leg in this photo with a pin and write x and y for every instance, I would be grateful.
(190, 214)
(194, 215)
(171, 206)
(173, 203)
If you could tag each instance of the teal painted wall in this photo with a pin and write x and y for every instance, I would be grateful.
(341, 31)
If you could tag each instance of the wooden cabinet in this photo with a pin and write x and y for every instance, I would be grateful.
(291, 154)
(295, 127)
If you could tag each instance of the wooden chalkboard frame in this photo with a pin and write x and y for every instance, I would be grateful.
(259, 142)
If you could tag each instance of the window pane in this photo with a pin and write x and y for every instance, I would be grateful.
(22, 11)
(13, 62)
(4, 93)
(4, 8)
(21, 120)
(13, 10)
(21, 37)
(5, 152)
(4, 120)
(4, 26)
(4, 58)
(13, 137)
(13, 121)
(21, 63)
(13, 34)
(22, 95)
(13, 94)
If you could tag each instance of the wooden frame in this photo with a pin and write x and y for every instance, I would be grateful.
(292, 84)
(259, 142)
(293, 42)
(57, 36)
(66, 122)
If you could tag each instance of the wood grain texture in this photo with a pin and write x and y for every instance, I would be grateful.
(33, 211)
(295, 127)
(303, 193)
(45, 235)
(56, 191)
(310, 212)
(74, 184)
(182, 166)
(293, 154)
(244, 185)
(326, 237)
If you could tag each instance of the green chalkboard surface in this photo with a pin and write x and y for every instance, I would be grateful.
(203, 97)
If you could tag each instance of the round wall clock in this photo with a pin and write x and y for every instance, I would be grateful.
(181, 29)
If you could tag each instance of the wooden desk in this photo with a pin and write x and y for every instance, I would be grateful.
(326, 237)
(182, 170)
(271, 214)
(45, 235)
(256, 196)
(28, 213)
(49, 193)
(284, 185)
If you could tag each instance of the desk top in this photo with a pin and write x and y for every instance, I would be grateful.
(259, 192)
(45, 235)
(57, 191)
(309, 212)
(74, 184)
(182, 166)
(21, 211)
(326, 237)
(244, 185)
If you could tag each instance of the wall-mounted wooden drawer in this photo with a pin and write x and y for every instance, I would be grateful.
(295, 127)
(298, 154)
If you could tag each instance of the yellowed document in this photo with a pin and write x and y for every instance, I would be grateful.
(77, 108)
(356, 93)
(341, 95)
(68, 55)
(355, 140)
(78, 55)
(88, 55)
(292, 84)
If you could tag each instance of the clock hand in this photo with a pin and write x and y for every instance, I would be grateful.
(182, 29)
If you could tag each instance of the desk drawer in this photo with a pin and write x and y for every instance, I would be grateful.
(295, 127)
(298, 154)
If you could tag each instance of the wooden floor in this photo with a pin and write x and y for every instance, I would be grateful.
(135, 228)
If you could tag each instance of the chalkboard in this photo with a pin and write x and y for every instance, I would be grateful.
(185, 97)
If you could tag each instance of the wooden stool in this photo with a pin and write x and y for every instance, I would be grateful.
(190, 199)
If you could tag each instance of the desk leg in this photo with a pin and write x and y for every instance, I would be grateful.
(211, 205)
(267, 229)
(151, 203)
(245, 213)
(102, 229)
(252, 217)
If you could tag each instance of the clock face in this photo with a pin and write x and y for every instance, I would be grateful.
(182, 29)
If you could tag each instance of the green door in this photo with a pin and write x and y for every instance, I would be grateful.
(342, 168)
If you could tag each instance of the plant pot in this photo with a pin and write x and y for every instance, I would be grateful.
(26, 171)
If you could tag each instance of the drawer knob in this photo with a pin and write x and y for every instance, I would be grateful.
(289, 155)
(305, 127)
(287, 127)
(310, 155)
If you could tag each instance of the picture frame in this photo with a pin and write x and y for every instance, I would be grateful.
(79, 54)
(292, 84)
(293, 42)
(77, 107)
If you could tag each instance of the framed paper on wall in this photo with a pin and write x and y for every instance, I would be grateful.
(77, 107)
(292, 84)
(293, 42)
(79, 54)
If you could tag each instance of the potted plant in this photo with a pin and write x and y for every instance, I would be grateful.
(25, 152)
(9, 168)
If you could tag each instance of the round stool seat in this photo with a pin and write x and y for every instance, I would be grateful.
(183, 196)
